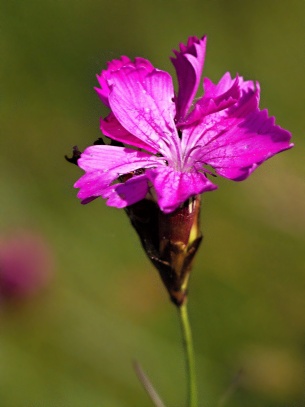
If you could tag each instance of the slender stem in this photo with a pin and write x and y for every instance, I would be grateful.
(189, 356)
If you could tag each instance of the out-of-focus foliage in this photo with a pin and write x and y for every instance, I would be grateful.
(73, 344)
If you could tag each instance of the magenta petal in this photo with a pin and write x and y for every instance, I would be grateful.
(188, 63)
(128, 193)
(216, 97)
(247, 139)
(91, 185)
(212, 126)
(143, 104)
(105, 76)
(104, 164)
(173, 188)
(112, 128)
(120, 160)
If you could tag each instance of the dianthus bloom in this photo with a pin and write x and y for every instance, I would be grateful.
(164, 145)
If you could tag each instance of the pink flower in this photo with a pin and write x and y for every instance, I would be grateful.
(26, 265)
(169, 139)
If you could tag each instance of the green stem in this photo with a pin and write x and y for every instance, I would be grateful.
(189, 356)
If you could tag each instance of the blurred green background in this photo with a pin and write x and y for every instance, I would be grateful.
(73, 345)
